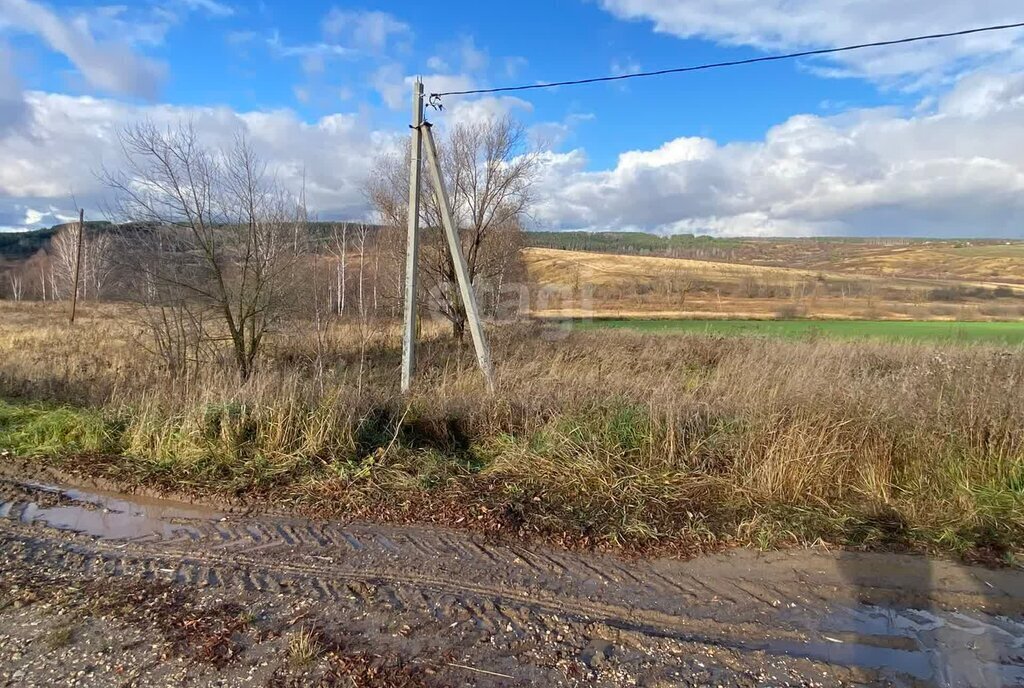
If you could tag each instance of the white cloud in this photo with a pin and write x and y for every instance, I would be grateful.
(436, 63)
(552, 135)
(121, 23)
(955, 170)
(484, 109)
(211, 7)
(982, 94)
(789, 24)
(13, 109)
(623, 67)
(395, 89)
(314, 63)
(71, 138)
(144, 24)
(109, 66)
(514, 65)
(395, 86)
(319, 50)
(389, 82)
(473, 59)
(462, 55)
(440, 83)
(367, 29)
(20, 216)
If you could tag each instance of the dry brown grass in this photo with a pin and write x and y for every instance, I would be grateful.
(602, 438)
(304, 646)
(647, 286)
(555, 266)
(990, 263)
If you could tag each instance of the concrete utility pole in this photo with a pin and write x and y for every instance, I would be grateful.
(78, 262)
(451, 232)
(422, 137)
(413, 241)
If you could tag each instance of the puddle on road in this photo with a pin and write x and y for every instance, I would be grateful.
(106, 515)
(916, 663)
(938, 647)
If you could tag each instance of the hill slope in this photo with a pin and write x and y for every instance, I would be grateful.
(577, 282)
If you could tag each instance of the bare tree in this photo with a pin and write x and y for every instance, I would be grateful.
(488, 171)
(62, 260)
(362, 230)
(38, 265)
(216, 238)
(17, 281)
(376, 273)
(338, 245)
(98, 262)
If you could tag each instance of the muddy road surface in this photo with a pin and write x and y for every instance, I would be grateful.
(104, 589)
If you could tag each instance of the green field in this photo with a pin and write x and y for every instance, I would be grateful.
(1010, 333)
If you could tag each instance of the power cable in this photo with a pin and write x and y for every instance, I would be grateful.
(436, 97)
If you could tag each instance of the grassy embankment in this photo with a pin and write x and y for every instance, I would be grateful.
(609, 438)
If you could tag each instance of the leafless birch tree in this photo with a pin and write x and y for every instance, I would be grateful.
(362, 230)
(62, 259)
(338, 245)
(17, 282)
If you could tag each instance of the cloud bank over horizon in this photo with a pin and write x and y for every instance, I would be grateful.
(949, 163)
(878, 172)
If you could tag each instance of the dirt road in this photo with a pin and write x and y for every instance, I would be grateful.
(103, 589)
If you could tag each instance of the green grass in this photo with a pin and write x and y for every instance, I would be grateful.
(692, 445)
(56, 430)
(1007, 333)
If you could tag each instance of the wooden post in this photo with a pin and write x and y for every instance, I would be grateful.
(413, 240)
(451, 232)
(78, 262)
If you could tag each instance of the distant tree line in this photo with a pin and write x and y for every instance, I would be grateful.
(218, 255)
(636, 243)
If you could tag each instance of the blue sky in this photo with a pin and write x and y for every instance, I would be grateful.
(264, 56)
(917, 140)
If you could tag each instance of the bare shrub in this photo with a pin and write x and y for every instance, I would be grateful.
(216, 241)
(790, 311)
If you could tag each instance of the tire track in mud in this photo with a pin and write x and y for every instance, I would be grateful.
(417, 601)
(424, 576)
(334, 583)
(267, 538)
(242, 555)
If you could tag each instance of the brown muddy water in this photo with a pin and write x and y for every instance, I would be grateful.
(107, 515)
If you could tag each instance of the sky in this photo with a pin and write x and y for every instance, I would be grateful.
(919, 140)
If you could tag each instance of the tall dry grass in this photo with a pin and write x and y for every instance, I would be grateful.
(605, 437)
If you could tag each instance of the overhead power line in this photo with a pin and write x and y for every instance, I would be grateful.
(730, 63)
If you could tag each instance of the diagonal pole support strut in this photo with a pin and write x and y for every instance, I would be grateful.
(451, 232)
